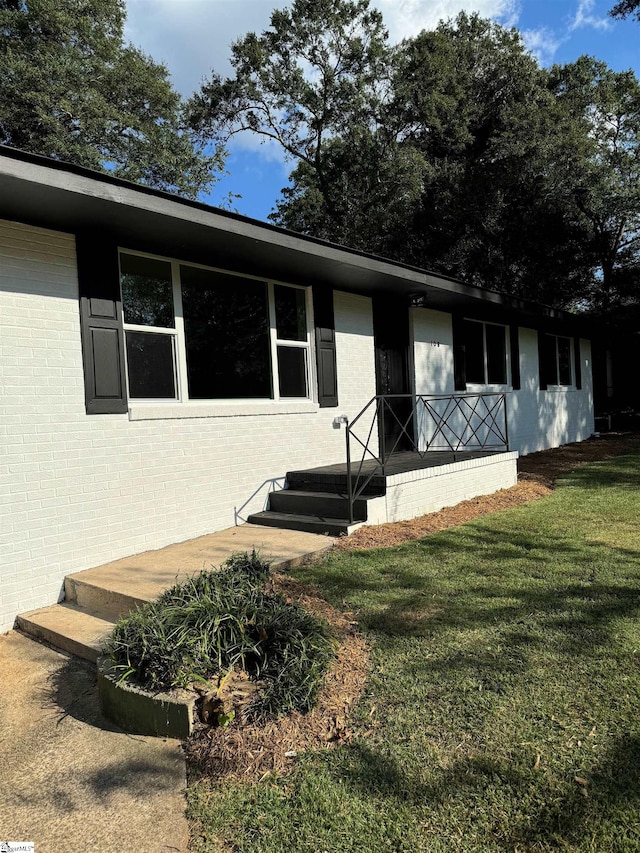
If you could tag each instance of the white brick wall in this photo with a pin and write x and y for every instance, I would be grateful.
(77, 490)
(418, 492)
(537, 419)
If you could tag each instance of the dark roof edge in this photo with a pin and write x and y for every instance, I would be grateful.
(499, 297)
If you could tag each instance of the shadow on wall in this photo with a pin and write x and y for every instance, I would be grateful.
(543, 419)
(258, 500)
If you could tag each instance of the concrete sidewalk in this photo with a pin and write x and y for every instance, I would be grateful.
(69, 779)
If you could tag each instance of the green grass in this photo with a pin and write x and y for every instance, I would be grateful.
(506, 663)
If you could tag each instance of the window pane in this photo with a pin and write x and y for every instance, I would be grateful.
(564, 361)
(550, 361)
(291, 315)
(151, 366)
(496, 355)
(292, 371)
(147, 292)
(474, 351)
(226, 334)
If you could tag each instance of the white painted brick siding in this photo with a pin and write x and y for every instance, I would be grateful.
(78, 490)
(418, 492)
(537, 419)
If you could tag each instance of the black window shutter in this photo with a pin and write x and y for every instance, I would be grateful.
(542, 361)
(577, 362)
(459, 354)
(325, 347)
(101, 325)
(514, 346)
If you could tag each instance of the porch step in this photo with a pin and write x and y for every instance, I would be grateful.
(67, 627)
(308, 523)
(333, 483)
(321, 504)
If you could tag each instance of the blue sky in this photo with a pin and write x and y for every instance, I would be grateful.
(192, 37)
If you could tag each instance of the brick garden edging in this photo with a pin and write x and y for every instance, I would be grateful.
(141, 712)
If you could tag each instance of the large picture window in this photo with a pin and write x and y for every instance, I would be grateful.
(194, 333)
(485, 350)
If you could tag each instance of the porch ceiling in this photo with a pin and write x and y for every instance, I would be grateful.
(44, 192)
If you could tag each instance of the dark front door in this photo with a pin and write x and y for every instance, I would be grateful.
(391, 334)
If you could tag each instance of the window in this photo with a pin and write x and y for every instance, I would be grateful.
(149, 320)
(194, 333)
(291, 341)
(226, 329)
(555, 362)
(485, 353)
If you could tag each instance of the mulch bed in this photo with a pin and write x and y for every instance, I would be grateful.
(537, 474)
(250, 751)
(245, 751)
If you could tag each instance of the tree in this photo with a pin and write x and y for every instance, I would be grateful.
(318, 83)
(606, 189)
(626, 8)
(453, 151)
(494, 210)
(70, 88)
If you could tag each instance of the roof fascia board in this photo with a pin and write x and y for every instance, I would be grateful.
(85, 183)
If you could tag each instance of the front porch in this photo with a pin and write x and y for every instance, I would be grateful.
(405, 455)
(409, 484)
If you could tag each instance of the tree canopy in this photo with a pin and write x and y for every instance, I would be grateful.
(625, 8)
(453, 151)
(70, 88)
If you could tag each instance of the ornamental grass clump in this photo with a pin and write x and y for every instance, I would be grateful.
(218, 621)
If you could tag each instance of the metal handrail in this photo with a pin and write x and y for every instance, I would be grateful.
(481, 425)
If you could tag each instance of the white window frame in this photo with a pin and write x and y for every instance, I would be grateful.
(557, 386)
(486, 385)
(283, 342)
(180, 347)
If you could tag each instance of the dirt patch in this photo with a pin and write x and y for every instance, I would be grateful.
(251, 751)
(537, 474)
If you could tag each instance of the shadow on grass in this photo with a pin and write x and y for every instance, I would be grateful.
(544, 814)
(469, 621)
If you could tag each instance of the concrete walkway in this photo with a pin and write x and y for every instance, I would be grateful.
(145, 576)
(70, 780)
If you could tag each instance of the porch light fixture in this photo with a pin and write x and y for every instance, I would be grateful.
(417, 300)
(342, 419)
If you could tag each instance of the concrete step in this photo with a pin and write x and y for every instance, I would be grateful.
(323, 504)
(101, 600)
(308, 523)
(67, 627)
(335, 483)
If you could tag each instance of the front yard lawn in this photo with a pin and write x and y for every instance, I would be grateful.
(503, 707)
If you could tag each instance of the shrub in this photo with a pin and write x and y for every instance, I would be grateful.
(204, 627)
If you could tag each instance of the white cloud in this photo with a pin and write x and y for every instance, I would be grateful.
(405, 18)
(543, 44)
(585, 17)
(193, 37)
